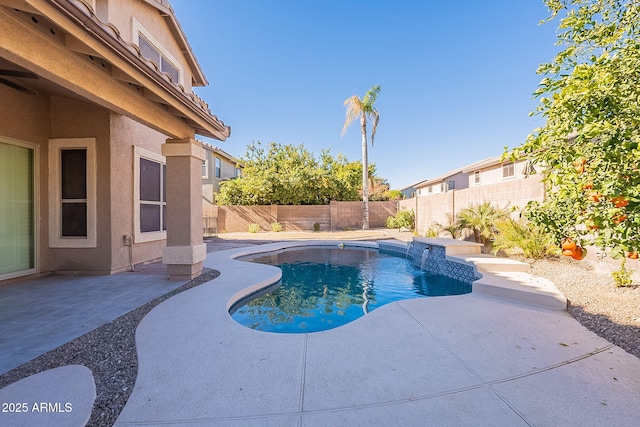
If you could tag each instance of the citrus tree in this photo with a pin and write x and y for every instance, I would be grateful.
(291, 175)
(589, 98)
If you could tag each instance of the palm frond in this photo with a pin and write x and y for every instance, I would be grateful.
(353, 107)
(376, 117)
(370, 97)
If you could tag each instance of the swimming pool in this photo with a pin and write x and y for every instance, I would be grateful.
(326, 287)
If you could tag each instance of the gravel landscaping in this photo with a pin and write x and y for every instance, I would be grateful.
(109, 351)
(612, 313)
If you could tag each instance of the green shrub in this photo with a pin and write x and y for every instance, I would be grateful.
(622, 277)
(521, 234)
(391, 222)
(254, 228)
(316, 226)
(276, 227)
(432, 231)
(404, 218)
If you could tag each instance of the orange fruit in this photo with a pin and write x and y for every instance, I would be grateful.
(568, 244)
(567, 252)
(619, 218)
(579, 253)
(620, 202)
(595, 196)
(633, 255)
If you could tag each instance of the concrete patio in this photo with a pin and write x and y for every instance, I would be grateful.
(473, 359)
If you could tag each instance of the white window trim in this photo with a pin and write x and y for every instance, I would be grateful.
(217, 171)
(205, 165)
(477, 178)
(138, 29)
(513, 164)
(152, 236)
(55, 193)
(36, 206)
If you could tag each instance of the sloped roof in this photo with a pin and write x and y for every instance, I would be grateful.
(463, 169)
(221, 152)
(168, 14)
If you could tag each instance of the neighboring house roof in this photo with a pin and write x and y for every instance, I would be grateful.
(221, 153)
(463, 169)
(483, 164)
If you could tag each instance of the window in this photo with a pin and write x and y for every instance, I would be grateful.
(238, 173)
(508, 170)
(151, 49)
(72, 193)
(218, 166)
(153, 196)
(205, 169)
(476, 177)
(18, 208)
(452, 185)
(430, 189)
(443, 187)
(150, 206)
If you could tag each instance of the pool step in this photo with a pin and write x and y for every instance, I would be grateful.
(494, 264)
(522, 287)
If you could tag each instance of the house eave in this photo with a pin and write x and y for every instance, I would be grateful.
(186, 105)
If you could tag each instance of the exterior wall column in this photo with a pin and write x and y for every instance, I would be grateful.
(185, 250)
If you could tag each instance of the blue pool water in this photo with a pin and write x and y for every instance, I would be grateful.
(323, 288)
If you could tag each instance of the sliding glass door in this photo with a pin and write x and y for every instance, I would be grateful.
(17, 207)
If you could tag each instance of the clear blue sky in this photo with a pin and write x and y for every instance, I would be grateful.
(457, 76)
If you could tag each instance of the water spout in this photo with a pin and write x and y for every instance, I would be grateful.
(425, 255)
(409, 246)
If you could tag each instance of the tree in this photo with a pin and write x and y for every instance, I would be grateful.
(291, 175)
(363, 109)
(480, 219)
(589, 142)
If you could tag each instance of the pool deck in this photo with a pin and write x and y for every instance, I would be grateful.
(476, 359)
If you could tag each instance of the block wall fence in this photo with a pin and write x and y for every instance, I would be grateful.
(435, 207)
(333, 217)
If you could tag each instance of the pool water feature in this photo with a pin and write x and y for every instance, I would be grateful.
(324, 288)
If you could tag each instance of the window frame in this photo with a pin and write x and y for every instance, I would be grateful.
(56, 240)
(217, 162)
(35, 150)
(150, 236)
(205, 169)
(164, 55)
(506, 167)
(477, 178)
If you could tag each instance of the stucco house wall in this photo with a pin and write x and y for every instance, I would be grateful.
(78, 83)
(211, 181)
(493, 173)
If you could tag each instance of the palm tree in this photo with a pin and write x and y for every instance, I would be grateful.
(480, 219)
(363, 108)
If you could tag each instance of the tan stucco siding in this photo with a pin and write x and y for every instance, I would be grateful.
(26, 119)
(75, 119)
(123, 15)
(52, 61)
(125, 134)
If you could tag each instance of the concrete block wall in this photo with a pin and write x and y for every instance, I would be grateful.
(435, 207)
(333, 217)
